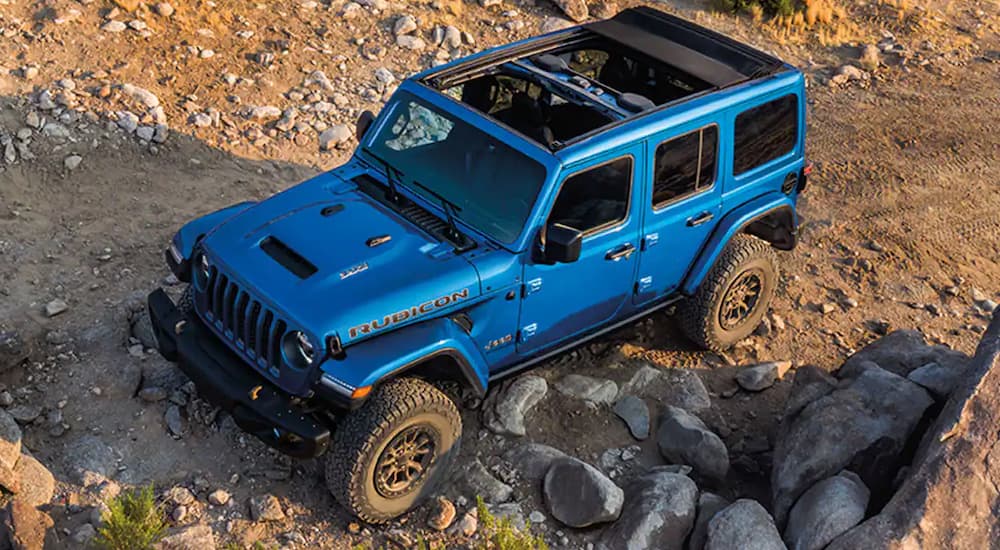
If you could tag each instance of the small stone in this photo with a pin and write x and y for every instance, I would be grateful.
(468, 525)
(29, 72)
(575, 9)
(411, 42)
(826, 308)
(579, 495)
(266, 508)
(33, 120)
(263, 112)
(137, 25)
(179, 514)
(179, 496)
(127, 121)
(163, 9)
(335, 136)
(406, 24)
(57, 306)
(442, 514)
(160, 133)
(477, 478)
(152, 394)
(634, 411)
(597, 391)
(201, 120)
(71, 163)
(84, 534)
(218, 497)
(206, 53)
(536, 517)
(145, 133)
(113, 26)
(762, 376)
(684, 439)
(174, 421)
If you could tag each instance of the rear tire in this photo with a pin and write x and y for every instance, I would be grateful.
(407, 422)
(734, 297)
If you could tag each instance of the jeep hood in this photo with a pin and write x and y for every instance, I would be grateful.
(328, 258)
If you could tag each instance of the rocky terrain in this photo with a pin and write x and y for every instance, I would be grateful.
(120, 121)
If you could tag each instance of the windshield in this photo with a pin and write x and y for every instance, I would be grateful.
(492, 186)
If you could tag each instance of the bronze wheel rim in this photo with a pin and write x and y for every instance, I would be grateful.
(741, 299)
(405, 461)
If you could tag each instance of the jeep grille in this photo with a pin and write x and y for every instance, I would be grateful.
(251, 328)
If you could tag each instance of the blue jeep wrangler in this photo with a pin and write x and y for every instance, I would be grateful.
(501, 209)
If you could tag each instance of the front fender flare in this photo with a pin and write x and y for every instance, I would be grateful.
(371, 361)
(193, 231)
(734, 222)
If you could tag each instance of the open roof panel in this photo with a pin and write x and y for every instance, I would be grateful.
(558, 88)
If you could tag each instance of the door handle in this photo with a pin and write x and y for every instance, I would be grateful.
(623, 251)
(704, 217)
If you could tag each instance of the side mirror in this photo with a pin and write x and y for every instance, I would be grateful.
(365, 120)
(562, 244)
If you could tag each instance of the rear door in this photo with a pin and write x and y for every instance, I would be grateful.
(563, 300)
(682, 207)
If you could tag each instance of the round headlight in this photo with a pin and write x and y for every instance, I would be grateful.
(202, 270)
(299, 350)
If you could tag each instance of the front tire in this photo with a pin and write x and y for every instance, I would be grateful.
(733, 298)
(391, 454)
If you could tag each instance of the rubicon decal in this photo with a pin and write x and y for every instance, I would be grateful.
(409, 313)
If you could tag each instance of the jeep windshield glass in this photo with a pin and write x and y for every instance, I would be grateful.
(493, 185)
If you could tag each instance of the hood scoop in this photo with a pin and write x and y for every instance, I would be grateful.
(288, 258)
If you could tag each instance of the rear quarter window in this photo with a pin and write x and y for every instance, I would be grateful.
(765, 132)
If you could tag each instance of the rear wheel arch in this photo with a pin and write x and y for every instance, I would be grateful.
(777, 226)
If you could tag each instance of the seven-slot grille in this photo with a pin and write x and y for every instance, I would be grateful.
(244, 321)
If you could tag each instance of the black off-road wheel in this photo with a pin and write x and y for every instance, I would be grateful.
(734, 296)
(391, 453)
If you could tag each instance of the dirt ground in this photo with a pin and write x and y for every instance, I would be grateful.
(901, 226)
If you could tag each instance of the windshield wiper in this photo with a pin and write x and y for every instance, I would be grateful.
(450, 209)
(391, 175)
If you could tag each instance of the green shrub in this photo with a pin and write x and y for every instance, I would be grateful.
(770, 7)
(133, 521)
(501, 534)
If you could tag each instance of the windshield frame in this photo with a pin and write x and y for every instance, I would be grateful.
(453, 108)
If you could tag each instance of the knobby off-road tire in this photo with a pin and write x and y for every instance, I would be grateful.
(399, 410)
(703, 317)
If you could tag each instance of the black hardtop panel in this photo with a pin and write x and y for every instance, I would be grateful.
(708, 55)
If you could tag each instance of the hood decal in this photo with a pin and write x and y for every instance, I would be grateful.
(408, 313)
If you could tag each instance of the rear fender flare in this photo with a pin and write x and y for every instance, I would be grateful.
(772, 206)
(411, 350)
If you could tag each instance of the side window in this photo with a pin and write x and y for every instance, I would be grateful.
(765, 133)
(417, 125)
(685, 165)
(596, 198)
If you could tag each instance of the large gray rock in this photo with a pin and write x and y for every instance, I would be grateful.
(938, 379)
(678, 387)
(481, 482)
(532, 460)
(862, 426)
(743, 525)
(709, 504)
(10, 440)
(658, 514)
(949, 498)
(579, 495)
(825, 511)
(684, 439)
(505, 409)
(93, 461)
(598, 391)
(902, 351)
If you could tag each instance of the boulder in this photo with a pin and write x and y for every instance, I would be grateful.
(810, 384)
(863, 426)
(579, 495)
(505, 409)
(266, 508)
(658, 513)
(634, 411)
(596, 391)
(949, 497)
(25, 526)
(938, 379)
(37, 483)
(825, 511)
(684, 439)
(678, 387)
(576, 10)
(532, 460)
(762, 376)
(709, 504)
(93, 460)
(742, 525)
(903, 351)
(482, 483)
(10, 440)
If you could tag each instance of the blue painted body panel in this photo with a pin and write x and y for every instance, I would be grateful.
(386, 304)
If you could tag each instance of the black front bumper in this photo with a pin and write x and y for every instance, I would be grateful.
(224, 379)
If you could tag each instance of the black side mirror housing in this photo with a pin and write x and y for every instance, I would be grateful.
(365, 120)
(562, 244)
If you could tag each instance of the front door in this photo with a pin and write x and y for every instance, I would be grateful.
(682, 210)
(562, 300)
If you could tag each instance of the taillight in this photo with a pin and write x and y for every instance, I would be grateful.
(806, 170)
